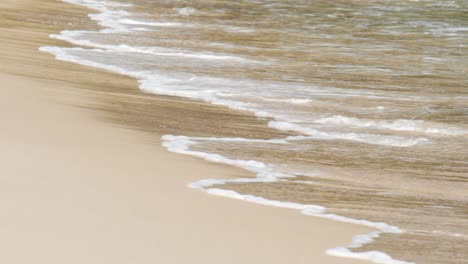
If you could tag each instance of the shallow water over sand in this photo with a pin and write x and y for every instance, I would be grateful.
(373, 96)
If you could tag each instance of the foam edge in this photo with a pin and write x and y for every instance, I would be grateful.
(181, 145)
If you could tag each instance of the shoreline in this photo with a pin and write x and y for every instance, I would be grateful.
(275, 229)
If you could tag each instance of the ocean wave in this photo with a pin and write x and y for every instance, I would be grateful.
(115, 20)
(393, 141)
(152, 82)
(397, 125)
(74, 38)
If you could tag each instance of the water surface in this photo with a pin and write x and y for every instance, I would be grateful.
(374, 95)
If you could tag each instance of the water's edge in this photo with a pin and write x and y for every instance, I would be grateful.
(182, 144)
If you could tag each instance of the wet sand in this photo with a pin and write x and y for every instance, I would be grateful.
(85, 181)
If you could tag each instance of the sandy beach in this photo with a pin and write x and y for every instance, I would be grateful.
(84, 181)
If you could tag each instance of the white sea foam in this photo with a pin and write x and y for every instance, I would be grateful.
(109, 13)
(246, 140)
(155, 24)
(180, 144)
(394, 141)
(296, 101)
(398, 125)
(237, 29)
(186, 11)
(62, 54)
(359, 241)
(74, 38)
(374, 256)
(263, 201)
(115, 20)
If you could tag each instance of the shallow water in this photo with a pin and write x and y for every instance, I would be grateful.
(373, 93)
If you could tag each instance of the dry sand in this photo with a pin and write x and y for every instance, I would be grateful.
(76, 189)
